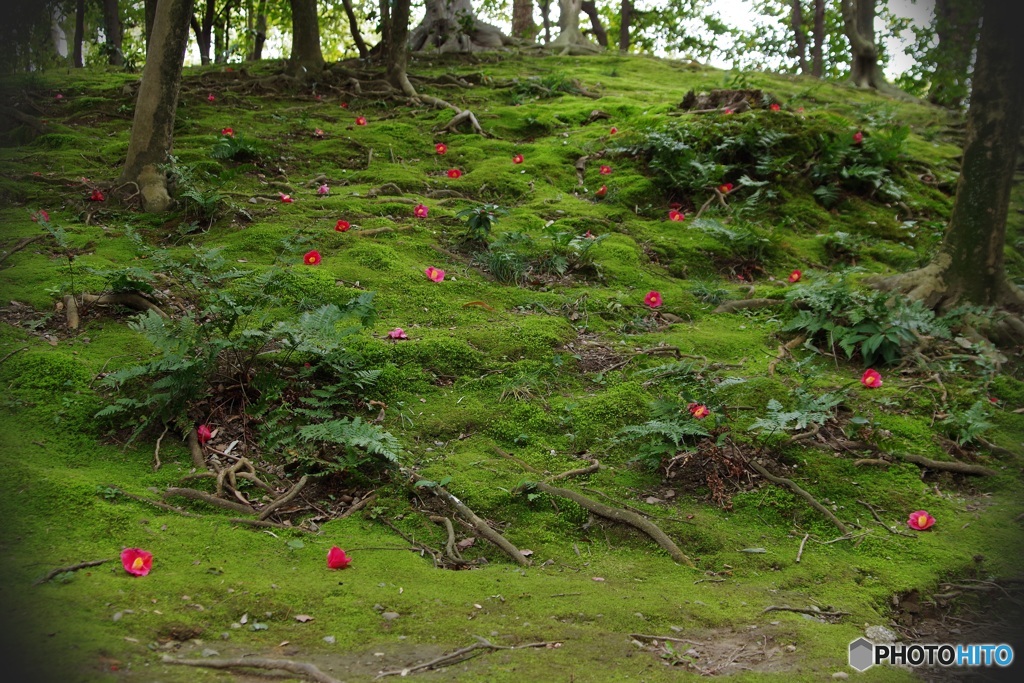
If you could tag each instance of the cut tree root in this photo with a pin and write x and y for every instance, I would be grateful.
(795, 488)
(941, 466)
(619, 515)
(307, 671)
(480, 525)
(127, 299)
(269, 510)
(72, 568)
(461, 655)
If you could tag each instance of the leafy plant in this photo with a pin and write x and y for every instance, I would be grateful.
(480, 221)
(968, 426)
(664, 435)
(809, 410)
(237, 148)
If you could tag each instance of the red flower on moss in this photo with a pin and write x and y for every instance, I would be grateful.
(343, 105)
(210, 98)
(228, 132)
(136, 561)
(614, 130)
(360, 120)
(420, 211)
(676, 216)
(441, 148)
(323, 189)
(725, 188)
(606, 170)
(920, 520)
(795, 275)
(312, 258)
(398, 333)
(517, 159)
(435, 274)
(589, 235)
(602, 191)
(698, 410)
(41, 216)
(728, 110)
(286, 198)
(96, 196)
(203, 434)
(774, 107)
(454, 173)
(318, 133)
(342, 226)
(653, 299)
(871, 379)
(858, 138)
(337, 559)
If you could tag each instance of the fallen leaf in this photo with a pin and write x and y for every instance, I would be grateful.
(303, 618)
(466, 543)
(244, 619)
(526, 552)
(596, 578)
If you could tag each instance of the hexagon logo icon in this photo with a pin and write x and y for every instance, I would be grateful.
(862, 653)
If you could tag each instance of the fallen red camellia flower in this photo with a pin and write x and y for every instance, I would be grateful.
(858, 138)
(342, 226)
(312, 258)
(517, 159)
(774, 107)
(698, 410)
(653, 299)
(97, 196)
(210, 98)
(360, 120)
(795, 276)
(435, 274)
(286, 198)
(920, 520)
(228, 132)
(136, 561)
(398, 333)
(602, 191)
(440, 148)
(203, 434)
(606, 170)
(871, 379)
(676, 216)
(454, 173)
(725, 188)
(614, 130)
(337, 559)
(420, 211)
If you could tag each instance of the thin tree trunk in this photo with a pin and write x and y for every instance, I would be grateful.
(956, 25)
(204, 30)
(260, 36)
(306, 58)
(522, 20)
(545, 15)
(859, 21)
(817, 60)
(798, 35)
(590, 8)
(396, 46)
(627, 19)
(153, 127)
(353, 25)
(77, 61)
(114, 34)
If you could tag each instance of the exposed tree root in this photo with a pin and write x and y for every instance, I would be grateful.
(746, 304)
(942, 466)
(353, 509)
(805, 610)
(461, 116)
(154, 503)
(22, 243)
(450, 548)
(196, 450)
(784, 350)
(4, 359)
(72, 568)
(460, 655)
(594, 466)
(269, 510)
(307, 671)
(619, 515)
(795, 488)
(207, 498)
(127, 299)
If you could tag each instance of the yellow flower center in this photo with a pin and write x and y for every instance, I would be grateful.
(138, 563)
(922, 520)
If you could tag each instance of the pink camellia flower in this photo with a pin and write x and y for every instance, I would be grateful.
(725, 188)
(517, 159)
(210, 98)
(203, 434)
(653, 299)
(698, 410)
(441, 148)
(337, 559)
(795, 275)
(323, 189)
(420, 211)
(871, 379)
(920, 520)
(58, 97)
(96, 196)
(606, 170)
(360, 120)
(454, 173)
(136, 561)
(800, 110)
(227, 132)
(993, 400)
(318, 133)
(602, 191)
(589, 235)
(858, 138)
(614, 130)
(312, 258)
(774, 107)
(398, 333)
(286, 198)
(41, 215)
(342, 226)
(728, 110)
(676, 216)
(435, 274)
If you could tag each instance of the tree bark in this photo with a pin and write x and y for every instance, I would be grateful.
(523, 27)
(153, 127)
(150, 11)
(969, 265)
(76, 57)
(452, 26)
(353, 25)
(306, 58)
(817, 60)
(626, 20)
(590, 8)
(545, 16)
(395, 34)
(956, 26)
(571, 39)
(797, 19)
(259, 32)
(114, 33)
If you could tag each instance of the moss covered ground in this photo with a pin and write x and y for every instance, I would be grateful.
(536, 367)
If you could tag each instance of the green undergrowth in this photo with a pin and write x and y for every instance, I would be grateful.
(537, 343)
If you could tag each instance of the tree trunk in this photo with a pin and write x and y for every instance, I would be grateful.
(150, 11)
(260, 32)
(969, 265)
(452, 26)
(522, 20)
(627, 19)
(153, 126)
(956, 25)
(798, 35)
(77, 60)
(204, 30)
(859, 20)
(395, 35)
(590, 8)
(353, 25)
(220, 42)
(817, 60)
(545, 16)
(571, 39)
(113, 30)
(306, 59)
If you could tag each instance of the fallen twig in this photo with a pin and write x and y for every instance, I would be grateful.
(795, 488)
(303, 669)
(799, 553)
(671, 639)
(22, 243)
(154, 503)
(4, 359)
(805, 610)
(156, 449)
(522, 463)
(72, 568)
(943, 466)
(878, 519)
(461, 655)
(268, 525)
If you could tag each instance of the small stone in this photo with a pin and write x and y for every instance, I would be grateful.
(840, 675)
(236, 625)
(329, 640)
(791, 648)
(879, 634)
(209, 652)
(225, 635)
(390, 616)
